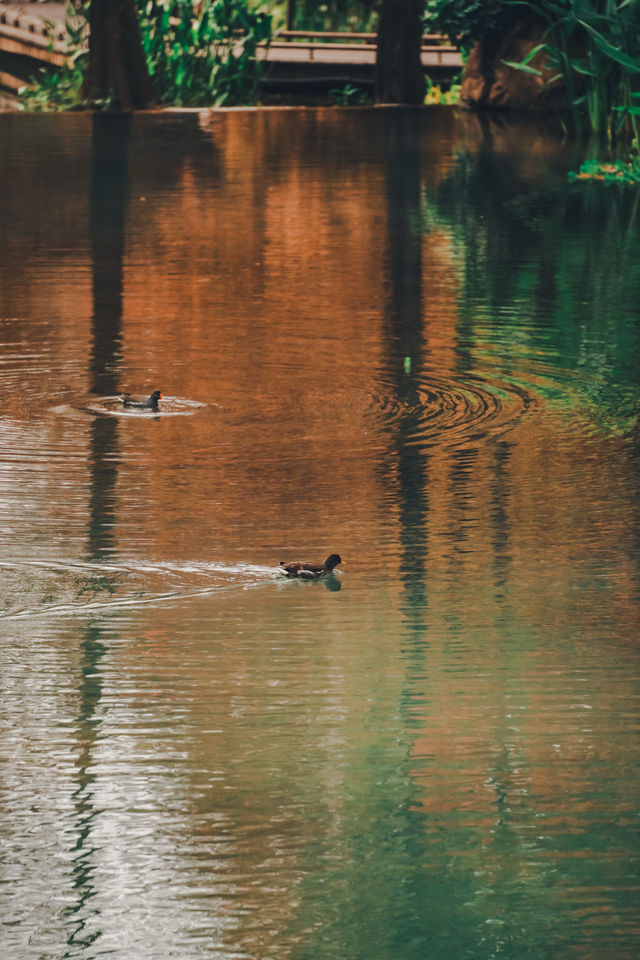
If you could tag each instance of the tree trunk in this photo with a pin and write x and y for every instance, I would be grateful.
(399, 76)
(117, 72)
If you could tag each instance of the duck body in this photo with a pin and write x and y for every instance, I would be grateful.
(305, 570)
(141, 402)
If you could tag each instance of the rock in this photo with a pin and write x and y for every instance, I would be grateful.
(488, 82)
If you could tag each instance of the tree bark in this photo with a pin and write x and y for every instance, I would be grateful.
(399, 77)
(117, 72)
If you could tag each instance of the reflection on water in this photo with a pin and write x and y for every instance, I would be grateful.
(431, 753)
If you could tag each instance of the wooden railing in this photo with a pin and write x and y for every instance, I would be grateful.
(28, 36)
(428, 39)
(300, 46)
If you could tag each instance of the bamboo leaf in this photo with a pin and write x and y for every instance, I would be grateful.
(523, 67)
(579, 68)
(533, 52)
(624, 59)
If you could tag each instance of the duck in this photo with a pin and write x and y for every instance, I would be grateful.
(140, 401)
(310, 571)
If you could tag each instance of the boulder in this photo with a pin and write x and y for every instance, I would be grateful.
(487, 81)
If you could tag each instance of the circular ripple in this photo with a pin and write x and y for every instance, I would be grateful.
(442, 410)
(168, 407)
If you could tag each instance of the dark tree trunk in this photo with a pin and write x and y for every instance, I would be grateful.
(399, 76)
(117, 70)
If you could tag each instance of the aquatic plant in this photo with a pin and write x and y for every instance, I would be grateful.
(594, 48)
(617, 171)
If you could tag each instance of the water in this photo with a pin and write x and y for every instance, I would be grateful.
(402, 336)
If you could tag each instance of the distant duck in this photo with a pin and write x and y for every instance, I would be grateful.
(310, 571)
(141, 402)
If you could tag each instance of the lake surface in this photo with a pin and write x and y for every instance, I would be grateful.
(402, 336)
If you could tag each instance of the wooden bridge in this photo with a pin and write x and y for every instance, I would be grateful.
(32, 34)
(298, 59)
(26, 41)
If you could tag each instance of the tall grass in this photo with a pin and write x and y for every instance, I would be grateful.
(593, 46)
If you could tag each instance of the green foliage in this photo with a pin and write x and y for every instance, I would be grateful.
(197, 55)
(351, 15)
(204, 55)
(437, 95)
(594, 47)
(626, 173)
(351, 95)
(466, 22)
(61, 89)
(47, 91)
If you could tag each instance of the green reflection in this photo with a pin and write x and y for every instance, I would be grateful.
(566, 288)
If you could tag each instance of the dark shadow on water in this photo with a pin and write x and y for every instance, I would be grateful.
(109, 194)
(408, 464)
(109, 191)
(332, 584)
(500, 492)
(405, 338)
(87, 731)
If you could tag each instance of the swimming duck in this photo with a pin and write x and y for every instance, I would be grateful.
(310, 571)
(140, 401)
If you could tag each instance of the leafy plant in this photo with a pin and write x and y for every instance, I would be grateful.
(199, 56)
(61, 89)
(351, 95)
(435, 94)
(466, 22)
(593, 46)
(354, 15)
(612, 172)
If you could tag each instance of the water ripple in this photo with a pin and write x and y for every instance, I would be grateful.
(446, 410)
(63, 588)
(169, 407)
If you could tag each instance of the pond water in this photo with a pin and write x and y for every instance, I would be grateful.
(402, 336)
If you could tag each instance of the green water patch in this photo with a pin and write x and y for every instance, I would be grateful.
(547, 269)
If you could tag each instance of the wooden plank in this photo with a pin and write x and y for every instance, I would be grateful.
(428, 39)
(349, 47)
(24, 47)
(9, 82)
(348, 54)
